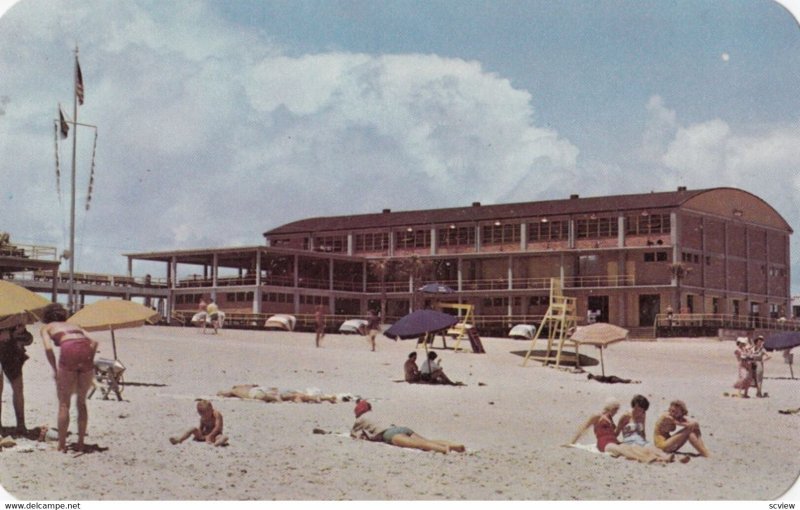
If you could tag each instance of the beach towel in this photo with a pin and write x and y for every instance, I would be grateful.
(591, 448)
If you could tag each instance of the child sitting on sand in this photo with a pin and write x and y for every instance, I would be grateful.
(210, 429)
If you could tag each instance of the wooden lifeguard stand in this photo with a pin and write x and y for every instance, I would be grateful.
(460, 330)
(558, 320)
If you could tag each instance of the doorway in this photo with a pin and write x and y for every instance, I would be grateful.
(597, 306)
(649, 305)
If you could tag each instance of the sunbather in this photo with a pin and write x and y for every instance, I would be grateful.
(665, 437)
(366, 428)
(632, 423)
(273, 394)
(606, 433)
(611, 379)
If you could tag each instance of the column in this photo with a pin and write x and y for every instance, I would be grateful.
(257, 294)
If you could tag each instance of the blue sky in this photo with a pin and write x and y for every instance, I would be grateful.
(220, 120)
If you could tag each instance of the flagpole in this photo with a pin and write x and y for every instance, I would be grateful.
(71, 305)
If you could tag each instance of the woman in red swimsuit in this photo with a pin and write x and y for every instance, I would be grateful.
(74, 372)
(606, 433)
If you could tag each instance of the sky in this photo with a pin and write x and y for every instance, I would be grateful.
(217, 121)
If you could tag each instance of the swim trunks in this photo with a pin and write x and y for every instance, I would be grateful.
(76, 355)
(12, 357)
(389, 433)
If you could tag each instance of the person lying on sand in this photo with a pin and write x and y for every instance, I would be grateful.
(210, 428)
(611, 379)
(666, 438)
(606, 433)
(366, 427)
(272, 394)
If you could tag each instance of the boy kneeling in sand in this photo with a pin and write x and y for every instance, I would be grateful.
(210, 429)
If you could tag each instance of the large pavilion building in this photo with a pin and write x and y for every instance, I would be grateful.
(625, 258)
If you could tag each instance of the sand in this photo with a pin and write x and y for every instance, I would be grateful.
(512, 419)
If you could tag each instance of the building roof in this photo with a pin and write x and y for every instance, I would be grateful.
(477, 212)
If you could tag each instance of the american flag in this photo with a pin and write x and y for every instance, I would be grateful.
(78, 81)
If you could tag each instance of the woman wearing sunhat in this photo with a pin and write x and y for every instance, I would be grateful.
(744, 359)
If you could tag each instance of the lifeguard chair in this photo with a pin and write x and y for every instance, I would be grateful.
(558, 321)
(460, 330)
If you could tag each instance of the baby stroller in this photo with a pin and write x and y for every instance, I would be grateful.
(108, 377)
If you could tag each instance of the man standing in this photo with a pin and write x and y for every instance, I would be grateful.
(373, 327)
(319, 319)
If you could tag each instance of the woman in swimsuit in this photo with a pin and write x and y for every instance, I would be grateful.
(632, 423)
(744, 360)
(667, 439)
(366, 428)
(74, 371)
(606, 433)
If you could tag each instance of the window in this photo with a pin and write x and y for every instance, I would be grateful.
(548, 231)
(330, 244)
(413, 239)
(457, 236)
(500, 234)
(649, 224)
(313, 300)
(378, 241)
(539, 301)
(596, 227)
(277, 297)
(655, 256)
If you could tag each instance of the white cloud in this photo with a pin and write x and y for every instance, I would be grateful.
(209, 135)
(701, 146)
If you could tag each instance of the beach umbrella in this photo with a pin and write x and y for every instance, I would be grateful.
(601, 335)
(18, 304)
(420, 322)
(783, 341)
(436, 288)
(112, 314)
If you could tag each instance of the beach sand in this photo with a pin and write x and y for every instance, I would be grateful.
(512, 419)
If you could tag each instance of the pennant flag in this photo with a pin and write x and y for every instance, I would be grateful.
(78, 81)
(64, 127)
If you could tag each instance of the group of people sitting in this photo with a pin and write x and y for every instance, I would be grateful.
(672, 430)
(430, 371)
(750, 357)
